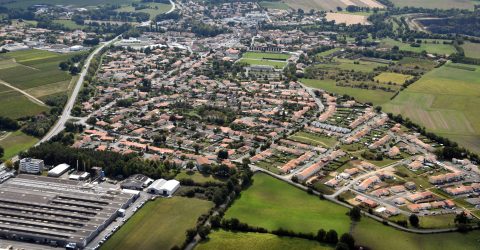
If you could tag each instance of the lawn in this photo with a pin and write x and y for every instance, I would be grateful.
(437, 221)
(471, 49)
(396, 78)
(271, 204)
(276, 64)
(160, 224)
(376, 97)
(314, 139)
(430, 47)
(220, 240)
(445, 101)
(196, 177)
(153, 9)
(274, 5)
(375, 235)
(69, 24)
(440, 4)
(16, 142)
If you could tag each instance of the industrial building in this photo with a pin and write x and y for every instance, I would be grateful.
(31, 166)
(58, 170)
(136, 182)
(163, 187)
(57, 212)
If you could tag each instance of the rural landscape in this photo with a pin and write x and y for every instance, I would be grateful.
(225, 124)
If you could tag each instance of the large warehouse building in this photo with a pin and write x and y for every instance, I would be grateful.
(55, 211)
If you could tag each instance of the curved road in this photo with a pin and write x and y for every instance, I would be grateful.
(60, 124)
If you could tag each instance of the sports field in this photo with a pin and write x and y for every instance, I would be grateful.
(16, 142)
(428, 45)
(376, 97)
(439, 4)
(37, 73)
(153, 9)
(221, 240)
(266, 56)
(445, 101)
(275, 64)
(271, 204)
(471, 49)
(160, 224)
(375, 235)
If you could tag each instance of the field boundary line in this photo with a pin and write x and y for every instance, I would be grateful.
(31, 97)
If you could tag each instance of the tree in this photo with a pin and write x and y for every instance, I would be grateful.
(414, 221)
(190, 165)
(203, 231)
(223, 154)
(2, 151)
(191, 234)
(355, 213)
(331, 237)
(348, 240)
(341, 246)
(64, 66)
(9, 164)
(461, 218)
(321, 235)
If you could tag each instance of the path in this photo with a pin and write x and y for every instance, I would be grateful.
(171, 9)
(5, 136)
(30, 97)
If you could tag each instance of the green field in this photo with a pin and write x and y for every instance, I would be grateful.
(314, 139)
(160, 224)
(221, 240)
(271, 204)
(196, 177)
(440, 48)
(396, 78)
(439, 4)
(153, 9)
(376, 97)
(377, 236)
(69, 24)
(274, 5)
(266, 56)
(471, 49)
(445, 101)
(15, 143)
(37, 73)
(347, 64)
(327, 53)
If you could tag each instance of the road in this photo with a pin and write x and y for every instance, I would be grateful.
(171, 9)
(60, 124)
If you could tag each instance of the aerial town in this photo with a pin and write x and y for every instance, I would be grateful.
(238, 125)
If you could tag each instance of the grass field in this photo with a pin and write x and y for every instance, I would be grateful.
(160, 224)
(37, 73)
(271, 203)
(266, 56)
(274, 5)
(327, 53)
(377, 236)
(275, 64)
(346, 18)
(471, 49)
(439, 4)
(313, 139)
(440, 48)
(153, 9)
(69, 24)
(221, 240)
(445, 101)
(347, 64)
(396, 78)
(16, 142)
(196, 177)
(376, 97)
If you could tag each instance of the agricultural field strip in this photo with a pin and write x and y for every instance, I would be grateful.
(30, 97)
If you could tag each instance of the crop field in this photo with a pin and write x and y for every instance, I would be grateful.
(396, 78)
(162, 222)
(274, 5)
(16, 142)
(376, 97)
(348, 19)
(439, 4)
(220, 240)
(445, 101)
(429, 46)
(153, 9)
(37, 73)
(271, 204)
(328, 5)
(368, 232)
(471, 49)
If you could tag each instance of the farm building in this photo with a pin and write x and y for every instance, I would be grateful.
(163, 187)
